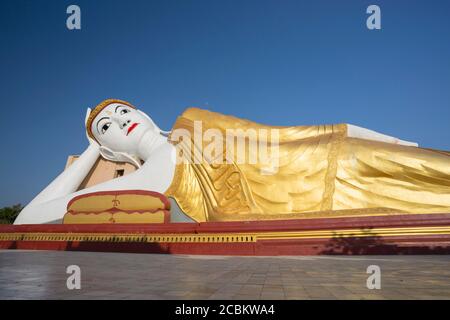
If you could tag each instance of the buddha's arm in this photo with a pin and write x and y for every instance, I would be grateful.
(70, 179)
(155, 175)
(50, 200)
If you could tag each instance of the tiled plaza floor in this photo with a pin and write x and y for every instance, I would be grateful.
(42, 275)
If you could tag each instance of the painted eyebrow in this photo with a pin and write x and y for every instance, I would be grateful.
(99, 122)
(115, 110)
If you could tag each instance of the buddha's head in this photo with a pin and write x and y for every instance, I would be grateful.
(119, 127)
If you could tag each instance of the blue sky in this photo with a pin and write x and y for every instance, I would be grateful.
(276, 62)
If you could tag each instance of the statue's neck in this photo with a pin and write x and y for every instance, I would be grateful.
(158, 170)
(150, 143)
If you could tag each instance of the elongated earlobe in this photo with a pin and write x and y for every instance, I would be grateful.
(111, 155)
(107, 153)
(91, 141)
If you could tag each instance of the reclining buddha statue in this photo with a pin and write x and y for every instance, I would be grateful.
(319, 171)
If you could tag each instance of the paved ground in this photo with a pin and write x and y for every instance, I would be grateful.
(42, 275)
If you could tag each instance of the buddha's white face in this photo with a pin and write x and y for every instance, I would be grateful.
(121, 128)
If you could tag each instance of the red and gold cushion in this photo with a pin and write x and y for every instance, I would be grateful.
(127, 206)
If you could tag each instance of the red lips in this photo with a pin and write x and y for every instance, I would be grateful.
(130, 128)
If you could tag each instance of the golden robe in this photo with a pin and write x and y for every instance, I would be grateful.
(322, 173)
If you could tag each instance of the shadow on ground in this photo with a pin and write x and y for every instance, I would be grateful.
(369, 244)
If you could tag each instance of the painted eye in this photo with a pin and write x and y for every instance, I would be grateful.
(124, 111)
(106, 127)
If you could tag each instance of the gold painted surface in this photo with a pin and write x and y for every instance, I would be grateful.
(227, 237)
(128, 202)
(114, 217)
(150, 238)
(99, 208)
(323, 214)
(320, 170)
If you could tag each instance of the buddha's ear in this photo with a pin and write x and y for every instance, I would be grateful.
(91, 141)
(107, 153)
(111, 155)
(88, 112)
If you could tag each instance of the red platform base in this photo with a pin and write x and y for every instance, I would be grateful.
(397, 234)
